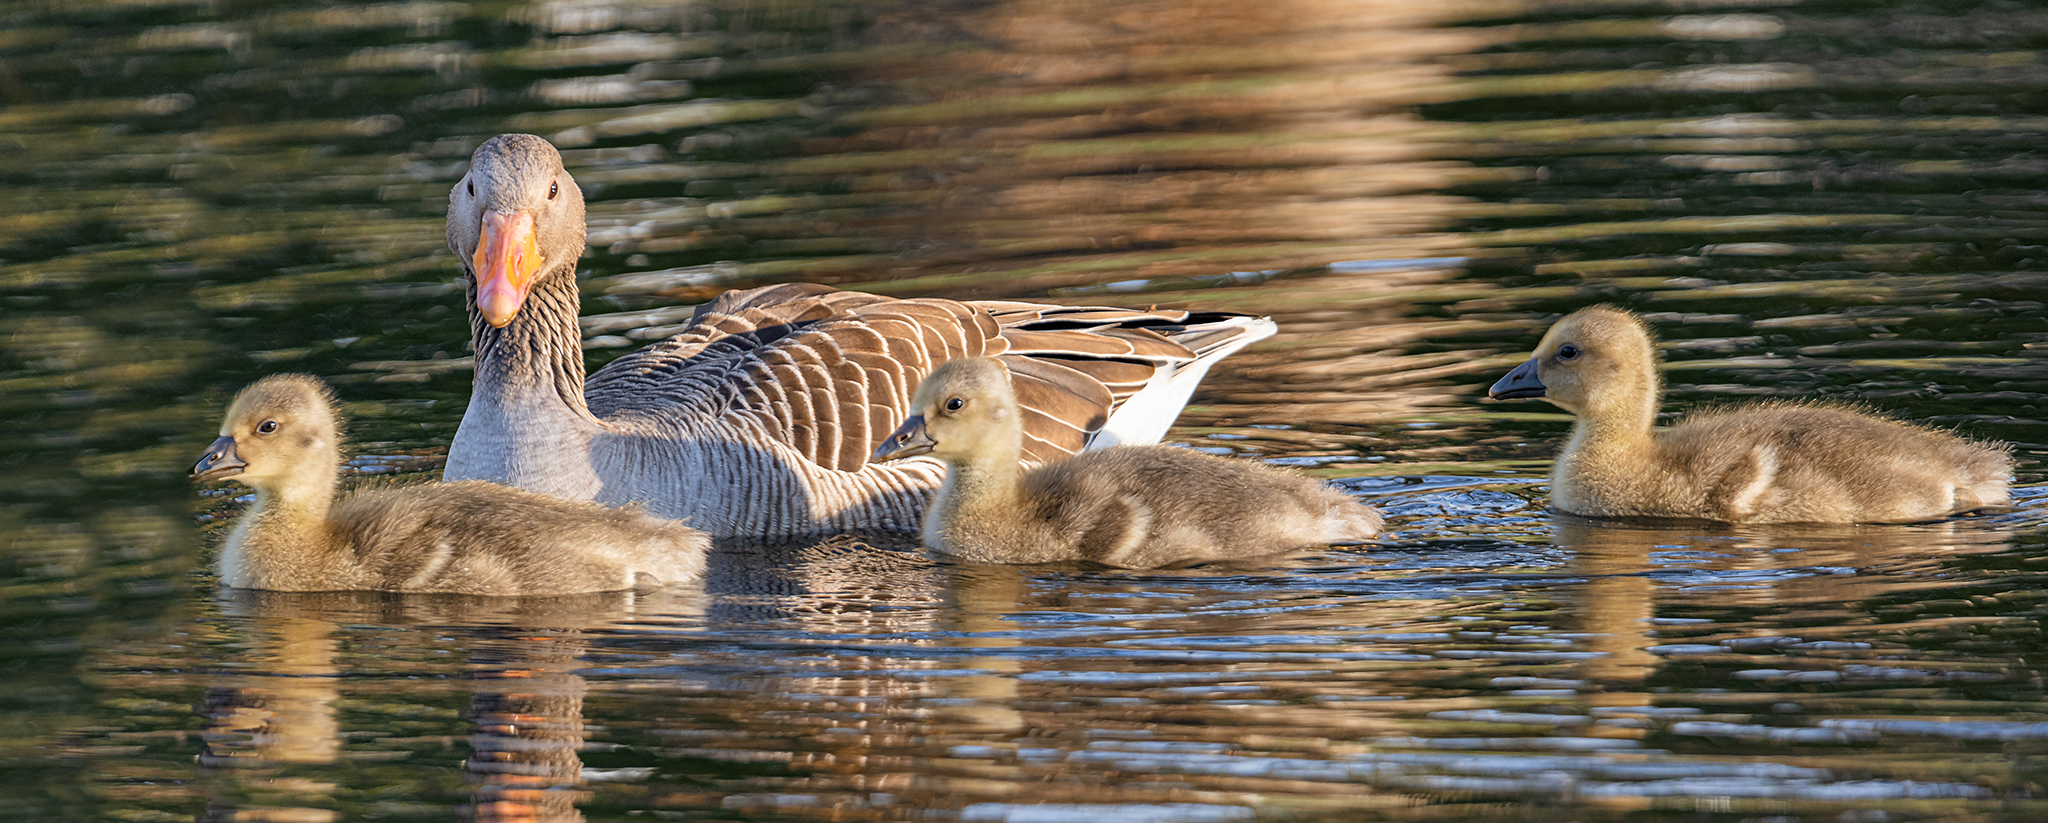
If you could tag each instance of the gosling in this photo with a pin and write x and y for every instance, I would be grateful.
(1128, 506)
(282, 437)
(1760, 463)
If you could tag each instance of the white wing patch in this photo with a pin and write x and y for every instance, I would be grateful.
(1144, 418)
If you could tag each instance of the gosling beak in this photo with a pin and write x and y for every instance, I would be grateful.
(219, 462)
(909, 440)
(507, 259)
(1518, 384)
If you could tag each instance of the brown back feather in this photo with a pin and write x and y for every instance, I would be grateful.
(831, 372)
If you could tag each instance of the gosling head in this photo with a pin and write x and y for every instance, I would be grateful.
(279, 427)
(517, 215)
(1593, 357)
(959, 406)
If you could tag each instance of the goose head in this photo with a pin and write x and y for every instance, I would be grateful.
(961, 406)
(1595, 359)
(279, 430)
(515, 218)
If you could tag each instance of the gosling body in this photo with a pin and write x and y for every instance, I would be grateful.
(282, 438)
(1755, 463)
(1129, 506)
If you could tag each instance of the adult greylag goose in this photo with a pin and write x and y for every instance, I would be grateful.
(758, 417)
(1759, 463)
(1129, 506)
(282, 437)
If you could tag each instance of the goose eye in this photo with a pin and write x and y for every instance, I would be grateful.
(955, 404)
(1568, 352)
(553, 189)
(266, 427)
(471, 184)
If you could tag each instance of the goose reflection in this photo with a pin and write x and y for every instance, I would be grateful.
(527, 698)
(825, 585)
(528, 732)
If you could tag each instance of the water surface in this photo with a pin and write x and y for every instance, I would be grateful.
(1808, 200)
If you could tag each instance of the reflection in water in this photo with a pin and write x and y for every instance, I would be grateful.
(981, 700)
(1792, 568)
(1815, 200)
(525, 712)
(528, 712)
(1604, 660)
(1617, 603)
(282, 713)
(1068, 144)
(285, 715)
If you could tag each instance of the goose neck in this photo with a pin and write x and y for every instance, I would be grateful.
(539, 354)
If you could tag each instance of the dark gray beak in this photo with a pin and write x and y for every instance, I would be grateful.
(909, 440)
(1518, 384)
(219, 462)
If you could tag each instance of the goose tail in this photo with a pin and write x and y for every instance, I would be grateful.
(1145, 417)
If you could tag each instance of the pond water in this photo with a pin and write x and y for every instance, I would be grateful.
(1807, 199)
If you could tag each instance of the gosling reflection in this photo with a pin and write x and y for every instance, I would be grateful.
(284, 714)
(526, 707)
(1616, 605)
(279, 711)
(981, 600)
(1637, 570)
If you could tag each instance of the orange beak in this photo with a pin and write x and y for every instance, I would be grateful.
(507, 259)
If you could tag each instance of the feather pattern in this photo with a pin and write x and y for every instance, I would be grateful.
(803, 394)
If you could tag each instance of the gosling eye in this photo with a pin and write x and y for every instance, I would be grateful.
(955, 404)
(553, 189)
(472, 187)
(1567, 352)
(266, 427)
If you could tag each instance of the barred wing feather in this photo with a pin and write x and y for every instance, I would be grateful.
(829, 372)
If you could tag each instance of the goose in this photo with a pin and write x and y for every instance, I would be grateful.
(282, 437)
(756, 418)
(1128, 506)
(1760, 463)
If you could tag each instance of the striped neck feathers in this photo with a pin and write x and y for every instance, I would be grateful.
(537, 356)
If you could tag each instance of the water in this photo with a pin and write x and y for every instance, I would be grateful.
(1807, 199)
